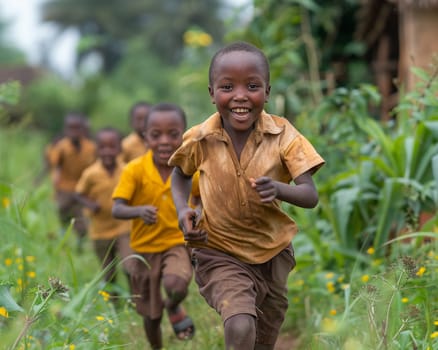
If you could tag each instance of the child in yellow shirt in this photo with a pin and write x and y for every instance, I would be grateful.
(68, 158)
(144, 195)
(110, 236)
(134, 145)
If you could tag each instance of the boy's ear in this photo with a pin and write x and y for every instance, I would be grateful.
(267, 93)
(211, 92)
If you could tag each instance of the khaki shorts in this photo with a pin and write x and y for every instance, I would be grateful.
(233, 287)
(145, 281)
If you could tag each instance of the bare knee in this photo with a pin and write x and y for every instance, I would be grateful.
(240, 332)
(176, 288)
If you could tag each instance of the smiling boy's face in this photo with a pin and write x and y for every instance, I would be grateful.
(163, 134)
(239, 89)
(108, 148)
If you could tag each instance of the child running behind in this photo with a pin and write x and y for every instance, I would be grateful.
(94, 190)
(134, 145)
(247, 158)
(68, 159)
(144, 195)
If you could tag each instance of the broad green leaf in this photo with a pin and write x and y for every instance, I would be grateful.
(6, 299)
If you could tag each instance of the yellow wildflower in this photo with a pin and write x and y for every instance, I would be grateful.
(345, 286)
(329, 275)
(31, 274)
(100, 318)
(365, 278)
(434, 335)
(105, 295)
(110, 321)
(20, 282)
(8, 261)
(6, 202)
(435, 323)
(330, 286)
(4, 312)
(299, 282)
(71, 347)
(421, 271)
(404, 300)
(20, 267)
(341, 279)
(371, 251)
(30, 258)
(333, 312)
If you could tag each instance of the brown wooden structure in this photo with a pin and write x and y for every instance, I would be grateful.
(399, 34)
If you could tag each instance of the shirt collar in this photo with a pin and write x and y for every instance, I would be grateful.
(213, 127)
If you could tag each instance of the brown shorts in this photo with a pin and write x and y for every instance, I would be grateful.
(108, 249)
(145, 280)
(233, 287)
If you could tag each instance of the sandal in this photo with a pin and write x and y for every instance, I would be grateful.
(182, 324)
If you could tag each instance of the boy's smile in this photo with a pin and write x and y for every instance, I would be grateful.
(239, 89)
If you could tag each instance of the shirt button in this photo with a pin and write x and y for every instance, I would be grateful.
(238, 173)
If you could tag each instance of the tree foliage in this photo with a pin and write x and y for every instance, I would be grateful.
(106, 27)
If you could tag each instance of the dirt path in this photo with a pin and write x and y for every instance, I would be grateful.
(286, 342)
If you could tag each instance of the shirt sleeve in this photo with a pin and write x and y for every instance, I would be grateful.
(83, 185)
(126, 186)
(186, 156)
(300, 156)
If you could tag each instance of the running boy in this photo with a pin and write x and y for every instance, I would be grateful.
(247, 158)
(94, 190)
(144, 195)
(69, 157)
(134, 145)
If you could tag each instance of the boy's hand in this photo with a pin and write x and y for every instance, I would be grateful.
(188, 220)
(148, 213)
(266, 187)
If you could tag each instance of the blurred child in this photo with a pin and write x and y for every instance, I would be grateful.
(94, 190)
(68, 158)
(144, 195)
(241, 241)
(134, 145)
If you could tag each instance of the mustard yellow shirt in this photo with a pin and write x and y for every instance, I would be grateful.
(141, 184)
(98, 185)
(133, 146)
(70, 162)
(237, 222)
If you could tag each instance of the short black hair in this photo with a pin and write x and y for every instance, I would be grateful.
(137, 105)
(239, 46)
(167, 107)
(108, 129)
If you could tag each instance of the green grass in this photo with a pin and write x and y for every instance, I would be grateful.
(387, 303)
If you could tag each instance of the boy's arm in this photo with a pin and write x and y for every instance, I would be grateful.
(303, 194)
(187, 217)
(122, 210)
(87, 202)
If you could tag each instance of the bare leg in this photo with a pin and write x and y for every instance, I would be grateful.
(152, 329)
(240, 332)
(176, 289)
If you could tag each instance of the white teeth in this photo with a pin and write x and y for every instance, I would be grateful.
(240, 110)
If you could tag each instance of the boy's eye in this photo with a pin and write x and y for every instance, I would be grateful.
(226, 87)
(253, 86)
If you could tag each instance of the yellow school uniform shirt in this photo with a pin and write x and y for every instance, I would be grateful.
(237, 222)
(141, 184)
(70, 162)
(98, 184)
(133, 146)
